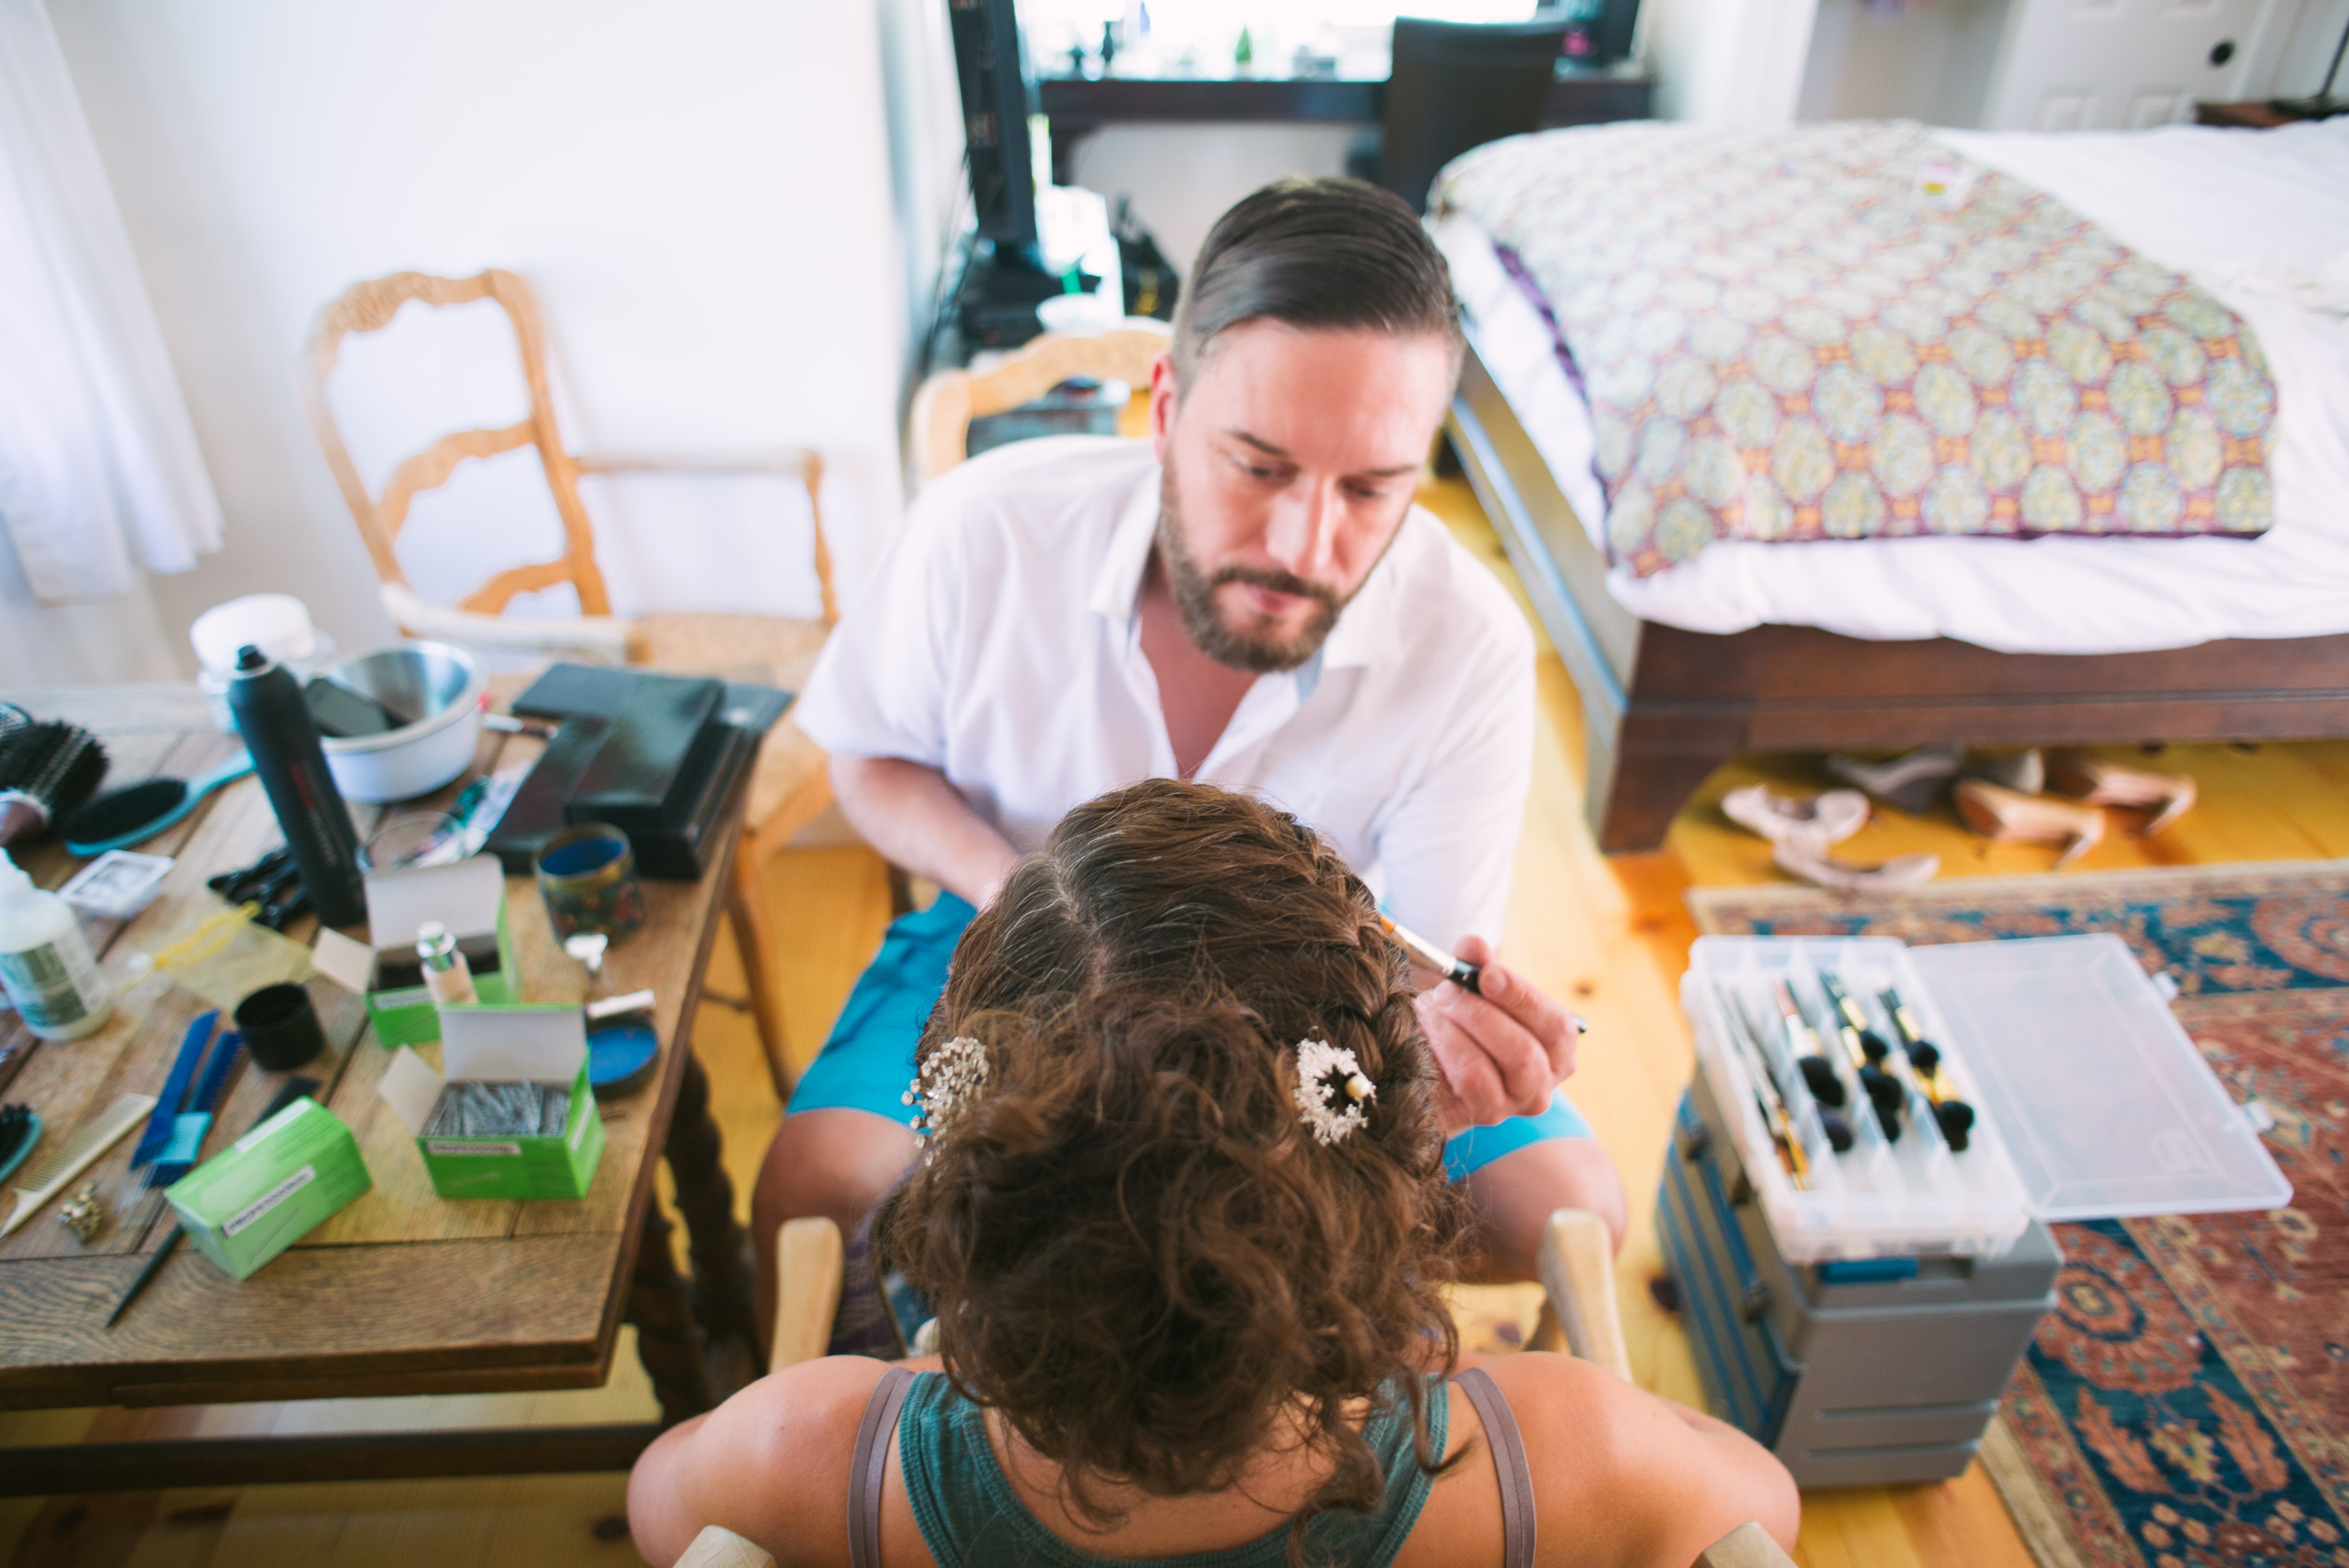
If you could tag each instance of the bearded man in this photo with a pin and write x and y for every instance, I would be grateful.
(1249, 599)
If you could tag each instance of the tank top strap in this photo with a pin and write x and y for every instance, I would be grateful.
(870, 1464)
(1508, 1446)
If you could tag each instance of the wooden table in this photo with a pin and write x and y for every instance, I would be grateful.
(402, 1291)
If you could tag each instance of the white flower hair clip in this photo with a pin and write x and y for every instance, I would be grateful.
(943, 1089)
(1319, 1062)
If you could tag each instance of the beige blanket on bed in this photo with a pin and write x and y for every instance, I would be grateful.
(1846, 332)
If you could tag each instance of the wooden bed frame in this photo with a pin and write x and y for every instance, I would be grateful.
(1664, 707)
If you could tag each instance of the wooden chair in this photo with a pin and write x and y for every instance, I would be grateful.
(949, 400)
(1580, 1317)
(790, 783)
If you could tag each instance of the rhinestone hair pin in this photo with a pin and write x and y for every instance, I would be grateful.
(956, 1072)
(1319, 1062)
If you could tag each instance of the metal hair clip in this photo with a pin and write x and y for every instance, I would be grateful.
(939, 1092)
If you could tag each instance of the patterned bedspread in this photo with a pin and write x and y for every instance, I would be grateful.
(1785, 336)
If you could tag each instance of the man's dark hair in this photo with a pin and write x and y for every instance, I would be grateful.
(1332, 254)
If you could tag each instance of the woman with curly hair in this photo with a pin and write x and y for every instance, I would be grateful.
(1182, 1215)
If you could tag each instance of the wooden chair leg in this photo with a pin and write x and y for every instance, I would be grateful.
(1577, 1274)
(810, 1260)
(754, 938)
(719, 1547)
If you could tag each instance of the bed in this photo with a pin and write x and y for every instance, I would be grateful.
(1886, 643)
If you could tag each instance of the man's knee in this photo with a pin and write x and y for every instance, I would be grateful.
(1515, 1195)
(834, 1162)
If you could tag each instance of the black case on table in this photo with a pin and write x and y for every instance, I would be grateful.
(657, 757)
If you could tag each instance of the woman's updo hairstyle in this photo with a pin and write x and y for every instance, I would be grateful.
(1136, 1250)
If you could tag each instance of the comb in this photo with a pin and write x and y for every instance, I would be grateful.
(76, 1155)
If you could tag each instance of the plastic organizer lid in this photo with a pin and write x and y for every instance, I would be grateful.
(2105, 1106)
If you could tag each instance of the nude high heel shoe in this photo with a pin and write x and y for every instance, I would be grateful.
(2005, 817)
(2168, 796)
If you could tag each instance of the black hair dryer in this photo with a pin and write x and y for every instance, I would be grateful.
(282, 736)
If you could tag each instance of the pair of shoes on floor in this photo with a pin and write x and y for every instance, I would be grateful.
(1914, 780)
(2077, 824)
(2000, 797)
(1801, 832)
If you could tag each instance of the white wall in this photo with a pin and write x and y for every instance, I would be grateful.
(1183, 177)
(700, 193)
(931, 197)
(1732, 63)
(1932, 63)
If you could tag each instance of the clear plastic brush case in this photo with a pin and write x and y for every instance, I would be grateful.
(1882, 1196)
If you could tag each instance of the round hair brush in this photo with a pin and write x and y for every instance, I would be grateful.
(45, 772)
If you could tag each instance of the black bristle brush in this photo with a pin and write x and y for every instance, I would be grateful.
(45, 772)
(1954, 1117)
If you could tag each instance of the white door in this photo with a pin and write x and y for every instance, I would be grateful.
(2126, 64)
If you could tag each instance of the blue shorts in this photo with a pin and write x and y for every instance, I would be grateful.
(868, 1061)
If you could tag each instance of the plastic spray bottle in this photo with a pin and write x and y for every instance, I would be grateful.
(292, 763)
(44, 961)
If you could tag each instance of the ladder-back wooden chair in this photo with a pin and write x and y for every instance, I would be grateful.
(1580, 1317)
(790, 783)
(949, 401)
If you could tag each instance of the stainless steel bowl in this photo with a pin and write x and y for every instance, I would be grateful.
(438, 683)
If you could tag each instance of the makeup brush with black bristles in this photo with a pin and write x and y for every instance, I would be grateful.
(1871, 1044)
(46, 770)
(1954, 1116)
(1771, 1101)
(1883, 1091)
(1832, 1121)
(1810, 1058)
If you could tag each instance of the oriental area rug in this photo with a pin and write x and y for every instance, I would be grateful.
(2186, 1403)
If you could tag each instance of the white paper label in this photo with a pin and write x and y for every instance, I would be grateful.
(269, 1200)
(440, 1146)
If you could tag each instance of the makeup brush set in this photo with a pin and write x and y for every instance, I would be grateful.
(1866, 1127)
(1855, 1208)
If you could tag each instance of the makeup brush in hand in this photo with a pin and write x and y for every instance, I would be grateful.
(46, 770)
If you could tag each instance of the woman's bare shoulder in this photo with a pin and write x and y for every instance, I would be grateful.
(1636, 1473)
(772, 1462)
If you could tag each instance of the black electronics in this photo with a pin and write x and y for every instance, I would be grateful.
(346, 714)
(1598, 32)
(658, 757)
(991, 68)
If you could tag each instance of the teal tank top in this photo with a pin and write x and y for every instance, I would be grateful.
(970, 1514)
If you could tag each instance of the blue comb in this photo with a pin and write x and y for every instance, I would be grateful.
(175, 1089)
(189, 1128)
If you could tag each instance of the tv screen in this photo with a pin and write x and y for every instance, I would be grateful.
(997, 100)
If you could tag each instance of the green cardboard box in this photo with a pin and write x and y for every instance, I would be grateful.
(469, 897)
(270, 1188)
(519, 1044)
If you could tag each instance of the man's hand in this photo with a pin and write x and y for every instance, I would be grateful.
(1497, 1055)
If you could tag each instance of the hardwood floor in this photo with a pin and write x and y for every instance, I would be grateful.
(1611, 934)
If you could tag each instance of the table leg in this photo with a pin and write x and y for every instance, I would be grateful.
(719, 1247)
(670, 1341)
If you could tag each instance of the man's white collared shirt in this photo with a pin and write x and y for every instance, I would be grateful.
(999, 643)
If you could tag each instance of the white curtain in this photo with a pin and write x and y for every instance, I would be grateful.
(100, 471)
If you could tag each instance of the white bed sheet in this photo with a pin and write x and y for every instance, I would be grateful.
(2245, 213)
